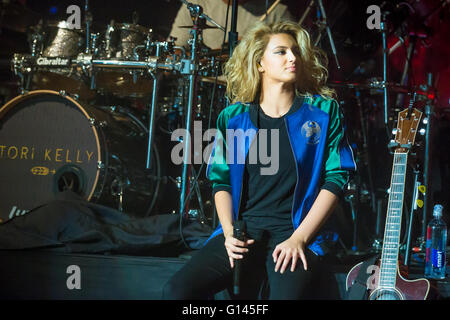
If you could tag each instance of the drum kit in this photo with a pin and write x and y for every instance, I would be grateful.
(95, 115)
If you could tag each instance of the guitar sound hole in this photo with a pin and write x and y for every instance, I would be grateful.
(385, 294)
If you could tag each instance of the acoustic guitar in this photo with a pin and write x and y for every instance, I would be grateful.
(387, 283)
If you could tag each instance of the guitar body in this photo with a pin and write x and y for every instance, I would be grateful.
(404, 289)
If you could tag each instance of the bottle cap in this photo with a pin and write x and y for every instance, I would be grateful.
(437, 211)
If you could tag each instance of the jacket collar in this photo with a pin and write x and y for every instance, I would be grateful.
(253, 110)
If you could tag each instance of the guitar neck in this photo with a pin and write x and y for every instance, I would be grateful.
(389, 256)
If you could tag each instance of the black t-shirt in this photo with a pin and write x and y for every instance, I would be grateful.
(267, 199)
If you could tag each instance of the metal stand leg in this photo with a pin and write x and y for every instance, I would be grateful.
(385, 75)
(426, 172)
(152, 114)
(355, 226)
(411, 216)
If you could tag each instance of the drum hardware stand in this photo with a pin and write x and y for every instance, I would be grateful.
(351, 196)
(36, 50)
(22, 71)
(366, 158)
(404, 79)
(190, 67)
(120, 182)
(89, 70)
(378, 239)
(88, 21)
(322, 24)
(429, 114)
(94, 47)
(108, 38)
(194, 184)
(198, 12)
(411, 216)
(37, 40)
(168, 46)
(385, 72)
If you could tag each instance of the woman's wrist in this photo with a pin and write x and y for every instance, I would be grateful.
(299, 237)
(227, 231)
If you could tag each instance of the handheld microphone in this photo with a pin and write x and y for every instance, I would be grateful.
(238, 233)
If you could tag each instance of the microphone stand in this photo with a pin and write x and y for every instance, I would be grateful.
(322, 24)
(233, 34)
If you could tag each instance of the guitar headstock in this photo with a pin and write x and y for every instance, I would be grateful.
(407, 129)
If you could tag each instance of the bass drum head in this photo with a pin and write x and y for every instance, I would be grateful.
(49, 143)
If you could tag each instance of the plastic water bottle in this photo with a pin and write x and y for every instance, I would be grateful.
(436, 245)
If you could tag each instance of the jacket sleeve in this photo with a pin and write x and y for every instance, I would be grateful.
(218, 171)
(339, 160)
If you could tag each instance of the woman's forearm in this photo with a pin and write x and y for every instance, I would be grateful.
(323, 206)
(224, 207)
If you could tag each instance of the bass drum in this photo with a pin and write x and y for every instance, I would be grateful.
(50, 143)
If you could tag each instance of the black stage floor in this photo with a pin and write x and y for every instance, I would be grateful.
(43, 275)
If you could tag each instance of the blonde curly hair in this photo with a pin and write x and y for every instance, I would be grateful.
(241, 70)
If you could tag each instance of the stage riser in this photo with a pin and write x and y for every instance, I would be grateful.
(43, 275)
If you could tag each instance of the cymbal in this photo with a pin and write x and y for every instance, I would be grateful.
(203, 27)
(220, 80)
(391, 86)
(350, 85)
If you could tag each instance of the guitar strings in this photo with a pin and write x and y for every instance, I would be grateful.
(396, 188)
(382, 279)
(386, 234)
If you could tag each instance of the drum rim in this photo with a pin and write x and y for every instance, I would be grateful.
(27, 95)
(62, 24)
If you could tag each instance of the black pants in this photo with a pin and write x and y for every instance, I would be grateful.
(209, 272)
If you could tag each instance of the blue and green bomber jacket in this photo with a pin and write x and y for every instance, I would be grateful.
(321, 150)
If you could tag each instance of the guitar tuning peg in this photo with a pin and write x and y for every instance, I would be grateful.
(422, 132)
